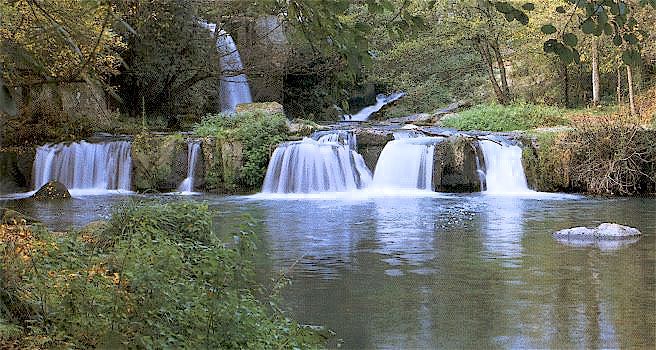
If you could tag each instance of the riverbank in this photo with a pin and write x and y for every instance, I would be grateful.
(155, 275)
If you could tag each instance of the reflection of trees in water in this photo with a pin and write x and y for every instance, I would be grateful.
(584, 297)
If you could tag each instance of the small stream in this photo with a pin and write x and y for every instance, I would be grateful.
(442, 271)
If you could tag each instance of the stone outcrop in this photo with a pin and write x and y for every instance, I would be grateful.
(16, 169)
(371, 143)
(223, 161)
(51, 190)
(454, 167)
(158, 162)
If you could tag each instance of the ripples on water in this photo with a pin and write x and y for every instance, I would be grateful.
(441, 270)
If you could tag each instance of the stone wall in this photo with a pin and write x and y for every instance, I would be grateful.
(16, 169)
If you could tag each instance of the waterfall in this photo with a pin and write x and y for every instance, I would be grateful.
(504, 173)
(406, 163)
(381, 100)
(83, 165)
(234, 88)
(193, 153)
(234, 84)
(326, 162)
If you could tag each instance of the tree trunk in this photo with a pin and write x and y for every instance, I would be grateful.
(595, 73)
(484, 51)
(619, 87)
(629, 79)
(502, 70)
(564, 76)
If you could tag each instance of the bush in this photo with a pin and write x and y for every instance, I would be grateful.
(612, 158)
(495, 117)
(259, 134)
(155, 276)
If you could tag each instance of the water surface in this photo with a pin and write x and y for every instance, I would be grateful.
(454, 271)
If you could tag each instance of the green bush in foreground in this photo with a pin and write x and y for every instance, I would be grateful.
(154, 277)
(495, 117)
(259, 133)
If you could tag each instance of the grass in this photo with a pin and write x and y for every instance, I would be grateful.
(495, 117)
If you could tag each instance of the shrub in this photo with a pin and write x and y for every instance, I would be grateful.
(495, 117)
(612, 158)
(259, 133)
(155, 276)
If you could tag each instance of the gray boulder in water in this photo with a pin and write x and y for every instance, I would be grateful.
(52, 190)
(605, 231)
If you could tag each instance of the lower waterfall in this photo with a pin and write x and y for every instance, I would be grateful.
(406, 163)
(193, 153)
(326, 162)
(84, 165)
(504, 173)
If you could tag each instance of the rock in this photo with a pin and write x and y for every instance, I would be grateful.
(159, 161)
(10, 216)
(617, 231)
(266, 107)
(604, 231)
(52, 190)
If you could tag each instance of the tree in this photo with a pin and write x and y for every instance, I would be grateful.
(58, 41)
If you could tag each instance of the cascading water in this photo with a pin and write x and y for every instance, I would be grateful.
(234, 84)
(381, 100)
(83, 165)
(326, 162)
(234, 88)
(406, 163)
(193, 154)
(504, 173)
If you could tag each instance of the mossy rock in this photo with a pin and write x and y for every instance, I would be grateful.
(159, 161)
(454, 165)
(266, 107)
(13, 217)
(52, 190)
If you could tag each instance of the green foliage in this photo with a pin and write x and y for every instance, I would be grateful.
(495, 117)
(154, 277)
(258, 132)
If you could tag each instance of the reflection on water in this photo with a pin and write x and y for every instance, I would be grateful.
(460, 271)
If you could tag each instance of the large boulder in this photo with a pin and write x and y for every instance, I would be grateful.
(454, 167)
(159, 161)
(607, 231)
(52, 190)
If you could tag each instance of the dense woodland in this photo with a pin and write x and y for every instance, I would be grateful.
(154, 61)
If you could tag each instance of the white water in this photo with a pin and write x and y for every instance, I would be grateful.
(328, 163)
(381, 100)
(234, 84)
(85, 166)
(406, 163)
(193, 153)
(504, 173)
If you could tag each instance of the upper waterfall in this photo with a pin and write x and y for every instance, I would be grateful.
(381, 100)
(234, 88)
(234, 83)
(83, 165)
(326, 162)
(504, 173)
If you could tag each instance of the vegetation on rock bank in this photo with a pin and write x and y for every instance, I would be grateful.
(155, 276)
(256, 132)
